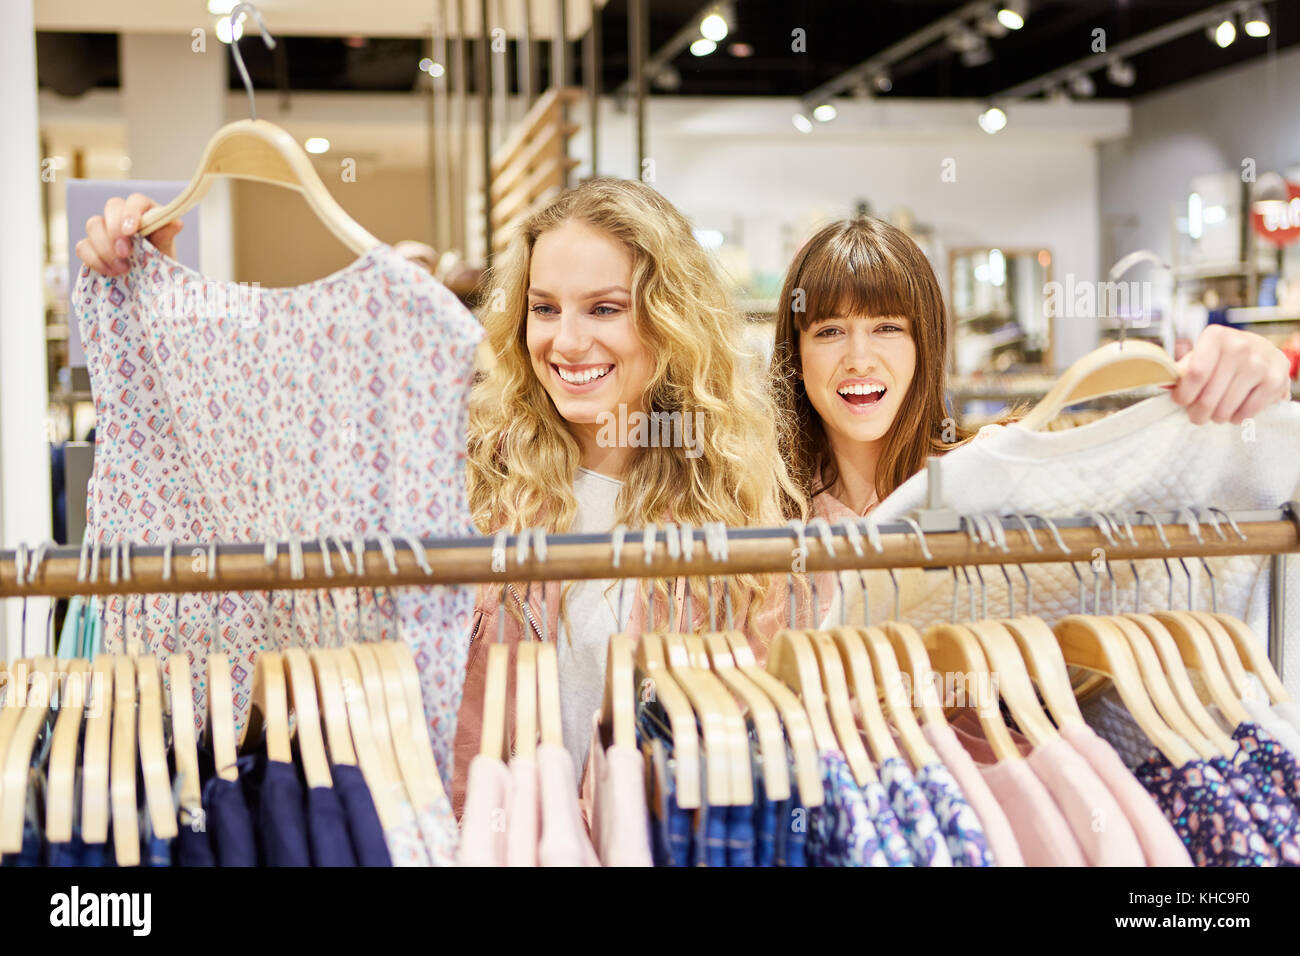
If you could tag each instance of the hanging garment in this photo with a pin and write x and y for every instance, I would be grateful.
(619, 819)
(1271, 812)
(841, 832)
(564, 839)
(327, 829)
(523, 827)
(958, 822)
(1148, 456)
(1100, 828)
(364, 828)
(405, 843)
(226, 815)
(1274, 723)
(670, 825)
(709, 835)
(1274, 759)
(337, 407)
(275, 798)
(487, 810)
(1290, 712)
(993, 820)
(1160, 844)
(764, 816)
(920, 826)
(439, 832)
(1215, 826)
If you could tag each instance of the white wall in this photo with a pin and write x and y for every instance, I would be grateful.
(1203, 127)
(742, 164)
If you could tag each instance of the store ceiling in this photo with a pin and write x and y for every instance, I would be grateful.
(75, 54)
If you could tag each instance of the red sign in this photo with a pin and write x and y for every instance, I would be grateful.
(1279, 222)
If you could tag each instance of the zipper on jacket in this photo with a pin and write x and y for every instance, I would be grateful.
(528, 614)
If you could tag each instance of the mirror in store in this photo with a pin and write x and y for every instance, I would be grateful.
(998, 315)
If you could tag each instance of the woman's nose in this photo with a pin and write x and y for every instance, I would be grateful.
(861, 356)
(571, 337)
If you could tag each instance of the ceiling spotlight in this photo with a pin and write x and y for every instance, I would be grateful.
(990, 25)
(317, 144)
(824, 113)
(1256, 22)
(224, 33)
(1081, 85)
(1224, 34)
(882, 81)
(713, 27)
(703, 46)
(802, 123)
(220, 8)
(993, 120)
(1121, 73)
(980, 54)
(1012, 14)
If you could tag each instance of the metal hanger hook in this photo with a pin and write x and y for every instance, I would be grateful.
(236, 12)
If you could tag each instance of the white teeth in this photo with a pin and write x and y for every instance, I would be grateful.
(860, 389)
(585, 376)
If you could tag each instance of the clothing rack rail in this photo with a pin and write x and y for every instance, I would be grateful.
(211, 566)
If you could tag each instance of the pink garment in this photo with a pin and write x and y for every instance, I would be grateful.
(1041, 829)
(619, 818)
(1100, 829)
(487, 808)
(564, 839)
(525, 813)
(1160, 844)
(997, 828)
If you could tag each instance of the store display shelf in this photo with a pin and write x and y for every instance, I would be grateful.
(1262, 314)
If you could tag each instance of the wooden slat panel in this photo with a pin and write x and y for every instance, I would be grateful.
(546, 176)
(547, 110)
(546, 145)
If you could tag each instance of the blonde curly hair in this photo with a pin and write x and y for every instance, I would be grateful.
(522, 458)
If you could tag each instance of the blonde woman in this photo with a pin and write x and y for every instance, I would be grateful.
(611, 331)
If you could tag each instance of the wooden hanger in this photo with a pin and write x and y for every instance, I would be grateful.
(492, 742)
(798, 727)
(1175, 670)
(382, 785)
(153, 748)
(1013, 683)
(889, 680)
(618, 702)
(1251, 651)
(60, 791)
(651, 663)
(551, 730)
(333, 708)
(1197, 650)
(526, 700)
(363, 658)
(840, 707)
(126, 826)
(741, 784)
(953, 649)
(791, 659)
(95, 751)
(1096, 644)
(712, 718)
(910, 650)
(18, 755)
(862, 682)
(15, 701)
(1227, 651)
(766, 720)
(1042, 655)
(404, 660)
(268, 709)
(1115, 367)
(1160, 690)
(301, 687)
(422, 789)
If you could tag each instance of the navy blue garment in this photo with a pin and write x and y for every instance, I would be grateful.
(71, 853)
(364, 828)
(192, 847)
(95, 855)
(710, 835)
(33, 850)
(791, 829)
(275, 798)
(740, 835)
(226, 816)
(764, 825)
(656, 803)
(675, 838)
(327, 829)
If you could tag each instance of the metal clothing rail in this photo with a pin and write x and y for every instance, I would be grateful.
(650, 553)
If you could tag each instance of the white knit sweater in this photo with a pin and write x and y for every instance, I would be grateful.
(1147, 457)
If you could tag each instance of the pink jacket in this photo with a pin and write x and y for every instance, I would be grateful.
(483, 631)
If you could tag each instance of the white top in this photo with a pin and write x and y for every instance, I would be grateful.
(591, 606)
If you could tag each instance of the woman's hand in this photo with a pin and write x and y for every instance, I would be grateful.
(1231, 375)
(107, 244)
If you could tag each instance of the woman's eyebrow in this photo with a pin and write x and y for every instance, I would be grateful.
(594, 294)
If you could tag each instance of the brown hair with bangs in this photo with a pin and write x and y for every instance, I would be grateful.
(862, 267)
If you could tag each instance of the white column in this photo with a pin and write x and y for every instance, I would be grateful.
(24, 454)
(173, 97)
